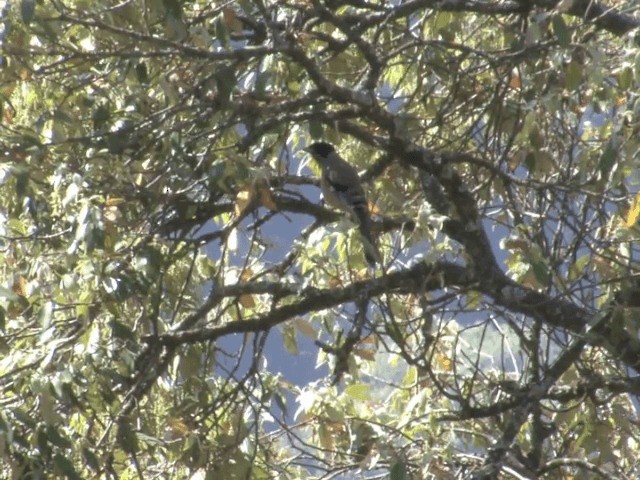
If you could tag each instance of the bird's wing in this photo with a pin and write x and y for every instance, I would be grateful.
(344, 195)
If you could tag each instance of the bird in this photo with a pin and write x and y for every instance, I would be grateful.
(342, 189)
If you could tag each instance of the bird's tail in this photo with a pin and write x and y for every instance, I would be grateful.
(371, 253)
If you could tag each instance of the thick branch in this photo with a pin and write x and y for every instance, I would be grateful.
(467, 229)
(605, 17)
(422, 277)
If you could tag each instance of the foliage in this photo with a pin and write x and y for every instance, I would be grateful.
(163, 247)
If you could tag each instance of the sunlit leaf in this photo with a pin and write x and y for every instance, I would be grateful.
(305, 327)
(634, 213)
(289, 337)
(243, 200)
(358, 391)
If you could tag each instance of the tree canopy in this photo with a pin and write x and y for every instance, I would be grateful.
(165, 251)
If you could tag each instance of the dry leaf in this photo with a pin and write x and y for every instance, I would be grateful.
(365, 353)
(243, 200)
(266, 199)
(246, 275)
(369, 339)
(178, 427)
(515, 82)
(305, 327)
(19, 287)
(516, 244)
(247, 301)
(231, 20)
(7, 115)
(114, 201)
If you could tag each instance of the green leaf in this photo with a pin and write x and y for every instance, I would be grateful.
(625, 78)
(127, 437)
(100, 117)
(573, 76)
(173, 7)
(561, 31)
(579, 267)
(45, 315)
(141, 73)
(398, 471)
(8, 294)
(607, 160)
(540, 272)
(190, 362)
(28, 10)
(359, 391)
(316, 130)
(226, 82)
(334, 414)
(289, 337)
(24, 417)
(120, 330)
(65, 467)
(54, 437)
(530, 161)
(222, 34)
(262, 80)
(21, 175)
(71, 194)
(90, 459)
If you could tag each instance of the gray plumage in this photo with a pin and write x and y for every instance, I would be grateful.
(342, 189)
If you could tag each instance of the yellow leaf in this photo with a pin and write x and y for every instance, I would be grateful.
(443, 362)
(114, 201)
(358, 391)
(633, 213)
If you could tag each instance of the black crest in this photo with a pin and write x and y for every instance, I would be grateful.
(321, 149)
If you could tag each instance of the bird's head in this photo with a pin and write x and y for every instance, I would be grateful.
(320, 150)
